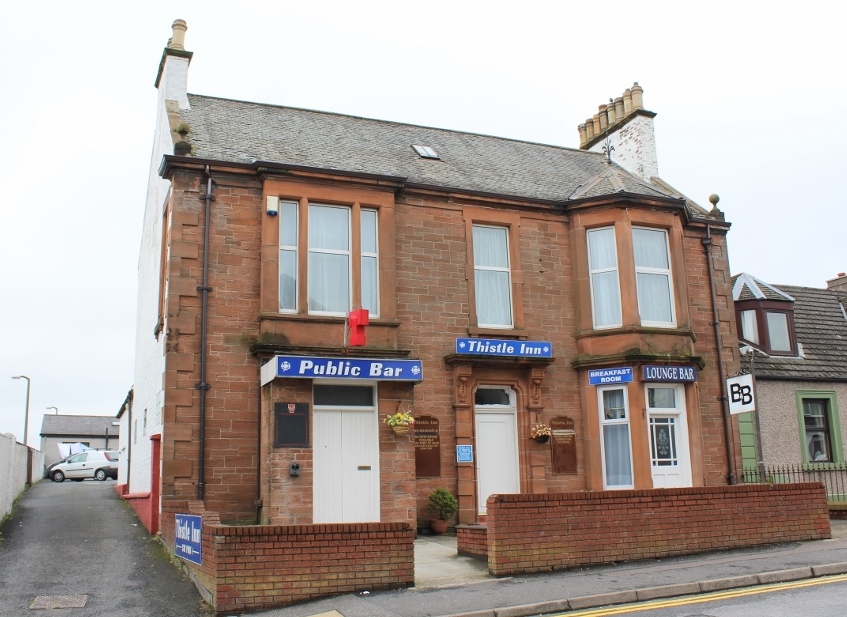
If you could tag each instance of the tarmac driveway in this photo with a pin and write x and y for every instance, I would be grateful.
(78, 543)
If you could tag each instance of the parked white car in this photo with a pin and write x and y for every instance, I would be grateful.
(96, 464)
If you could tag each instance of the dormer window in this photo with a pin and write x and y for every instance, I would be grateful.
(765, 316)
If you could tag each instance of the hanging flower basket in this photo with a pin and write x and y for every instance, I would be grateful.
(540, 433)
(400, 422)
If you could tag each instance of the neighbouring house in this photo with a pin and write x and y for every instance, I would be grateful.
(97, 432)
(794, 342)
(557, 321)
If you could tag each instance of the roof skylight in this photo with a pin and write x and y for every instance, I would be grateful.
(425, 151)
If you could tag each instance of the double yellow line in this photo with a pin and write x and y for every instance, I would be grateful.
(706, 597)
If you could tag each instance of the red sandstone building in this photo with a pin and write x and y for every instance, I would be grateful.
(508, 284)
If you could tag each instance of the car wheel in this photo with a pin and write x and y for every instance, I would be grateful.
(58, 476)
(100, 475)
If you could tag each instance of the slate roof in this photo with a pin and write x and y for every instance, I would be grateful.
(78, 426)
(747, 287)
(243, 132)
(821, 326)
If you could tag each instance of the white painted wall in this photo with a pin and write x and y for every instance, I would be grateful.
(13, 476)
(149, 354)
(634, 147)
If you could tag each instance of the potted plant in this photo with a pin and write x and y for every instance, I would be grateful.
(400, 422)
(443, 506)
(540, 433)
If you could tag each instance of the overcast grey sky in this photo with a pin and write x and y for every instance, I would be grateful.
(749, 97)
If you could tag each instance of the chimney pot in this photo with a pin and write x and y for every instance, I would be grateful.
(596, 121)
(589, 128)
(177, 41)
(583, 135)
(619, 112)
(627, 102)
(637, 96)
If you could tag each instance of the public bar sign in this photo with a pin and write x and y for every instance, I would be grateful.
(602, 376)
(657, 372)
(499, 347)
(189, 534)
(313, 367)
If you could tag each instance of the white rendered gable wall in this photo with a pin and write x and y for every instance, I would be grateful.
(149, 355)
(634, 147)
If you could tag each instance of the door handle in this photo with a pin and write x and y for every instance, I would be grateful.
(364, 467)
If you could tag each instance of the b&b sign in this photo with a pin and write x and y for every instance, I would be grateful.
(740, 392)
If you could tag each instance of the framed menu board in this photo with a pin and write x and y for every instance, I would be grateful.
(563, 445)
(427, 447)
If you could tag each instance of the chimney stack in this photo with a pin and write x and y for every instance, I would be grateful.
(838, 283)
(629, 128)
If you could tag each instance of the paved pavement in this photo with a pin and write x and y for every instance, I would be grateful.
(75, 540)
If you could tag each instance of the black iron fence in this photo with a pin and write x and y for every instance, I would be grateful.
(833, 477)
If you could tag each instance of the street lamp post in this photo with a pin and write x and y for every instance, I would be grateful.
(26, 413)
(56, 412)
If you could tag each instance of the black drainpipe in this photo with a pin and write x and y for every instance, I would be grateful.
(707, 245)
(202, 386)
(259, 503)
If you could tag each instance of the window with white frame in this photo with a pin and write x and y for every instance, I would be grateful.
(653, 276)
(329, 260)
(603, 276)
(492, 277)
(615, 436)
(288, 256)
(369, 262)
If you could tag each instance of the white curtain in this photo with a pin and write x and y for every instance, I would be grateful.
(616, 448)
(329, 259)
(749, 327)
(370, 264)
(650, 249)
(492, 277)
(602, 263)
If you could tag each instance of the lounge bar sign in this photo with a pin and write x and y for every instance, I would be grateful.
(311, 367)
(499, 347)
(654, 372)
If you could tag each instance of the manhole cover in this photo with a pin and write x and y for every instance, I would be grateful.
(59, 602)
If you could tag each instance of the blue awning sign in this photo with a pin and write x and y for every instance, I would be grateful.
(312, 367)
(189, 538)
(499, 347)
(602, 376)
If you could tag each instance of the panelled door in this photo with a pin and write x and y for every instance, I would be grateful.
(495, 417)
(346, 462)
(667, 429)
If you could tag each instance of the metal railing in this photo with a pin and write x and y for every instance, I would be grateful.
(832, 476)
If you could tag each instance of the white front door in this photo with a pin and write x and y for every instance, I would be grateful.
(667, 432)
(346, 465)
(496, 444)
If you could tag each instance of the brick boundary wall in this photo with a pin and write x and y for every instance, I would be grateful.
(545, 532)
(471, 541)
(260, 567)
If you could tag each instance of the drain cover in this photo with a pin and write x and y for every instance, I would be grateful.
(59, 602)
